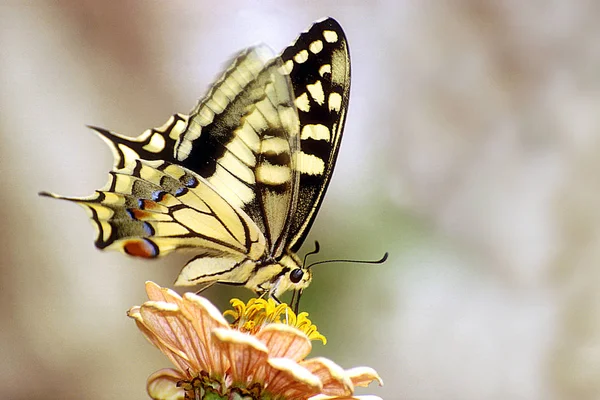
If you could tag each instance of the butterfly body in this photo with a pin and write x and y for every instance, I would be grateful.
(240, 179)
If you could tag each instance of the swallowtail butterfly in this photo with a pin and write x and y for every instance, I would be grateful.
(241, 178)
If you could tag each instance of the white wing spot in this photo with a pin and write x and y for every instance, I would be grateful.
(289, 119)
(183, 150)
(330, 36)
(273, 174)
(316, 91)
(325, 69)
(309, 164)
(301, 57)
(156, 144)
(302, 102)
(316, 132)
(274, 145)
(179, 127)
(286, 68)
(335, 102)
(316, 46)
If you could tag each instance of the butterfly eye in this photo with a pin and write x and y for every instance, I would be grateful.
(296, 275)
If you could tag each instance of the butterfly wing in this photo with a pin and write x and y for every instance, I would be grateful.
(244, 149)
(319, 67)
(239, 139)
(151, 208)
(318, 64)
(159, 143)
(241, 177)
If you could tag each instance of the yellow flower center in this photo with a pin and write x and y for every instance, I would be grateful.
(252, 316)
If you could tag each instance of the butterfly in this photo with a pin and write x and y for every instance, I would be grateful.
(241, 178)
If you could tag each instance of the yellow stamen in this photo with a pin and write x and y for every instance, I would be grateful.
(258, 312)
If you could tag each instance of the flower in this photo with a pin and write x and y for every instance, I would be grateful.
(261, 355)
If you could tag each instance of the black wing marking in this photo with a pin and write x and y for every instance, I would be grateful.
(319, 67)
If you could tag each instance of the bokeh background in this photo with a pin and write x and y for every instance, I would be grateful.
(471, 153)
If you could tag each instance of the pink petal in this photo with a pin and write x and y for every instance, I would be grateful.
(205, 318)
(244, 353)
(286, 378)
(334, 378)
(363, 376)
(285, 341)
(168, 332)
(325, 397)
(162, 385)
(157, 293)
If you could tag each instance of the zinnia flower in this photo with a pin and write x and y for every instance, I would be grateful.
(261, 355)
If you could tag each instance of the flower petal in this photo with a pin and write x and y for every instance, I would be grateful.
(181, 328)
(204, 317)
(285, 341)
(325, 397)
(157, 293)
(162, 385)
(155, 320)
(244, 352)
(363, 376)
(285, 378)
(333, 377)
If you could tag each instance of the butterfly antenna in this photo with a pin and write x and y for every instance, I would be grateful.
(381, 261)
(315, 251)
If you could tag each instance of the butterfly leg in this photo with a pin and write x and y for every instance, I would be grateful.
(295, 301)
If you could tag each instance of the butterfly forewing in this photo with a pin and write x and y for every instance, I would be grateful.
(319, 67)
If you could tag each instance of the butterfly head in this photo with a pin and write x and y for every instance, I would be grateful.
(296, 277)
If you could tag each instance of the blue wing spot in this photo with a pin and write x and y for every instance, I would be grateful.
(189, 181)
(180, 191)
(148, 229)
(158, 195)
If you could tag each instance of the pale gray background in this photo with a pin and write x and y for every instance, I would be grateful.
(471, 153)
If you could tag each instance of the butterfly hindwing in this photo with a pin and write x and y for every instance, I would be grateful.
(151, 208)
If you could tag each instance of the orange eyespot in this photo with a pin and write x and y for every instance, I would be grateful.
(139, 215)
(141, 248)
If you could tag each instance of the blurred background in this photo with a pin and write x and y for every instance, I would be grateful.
(471, 153)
